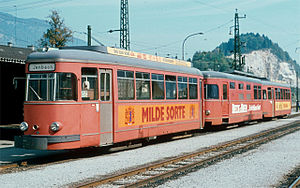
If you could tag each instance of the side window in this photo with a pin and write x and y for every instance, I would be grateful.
(158, 86)
(193, 91)
(259, 92)
(171, 91)
(225, 94)
(269, 93)
(255, 92)
(125, 85)
(200, 88)
(232, 85)
(211, 91)
(241, 86)
(264, 94)
(248, 87)
(89, 82)
(277, 93)
(142, 85)
(182, 87)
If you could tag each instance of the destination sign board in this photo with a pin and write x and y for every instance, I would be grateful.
(41, 67)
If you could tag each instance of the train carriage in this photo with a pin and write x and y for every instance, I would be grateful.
(276, 99)
(98, 96)
(231, 98)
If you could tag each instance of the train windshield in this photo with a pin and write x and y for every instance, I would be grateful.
(51, 87)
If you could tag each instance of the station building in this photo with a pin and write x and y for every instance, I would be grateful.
(12, 94)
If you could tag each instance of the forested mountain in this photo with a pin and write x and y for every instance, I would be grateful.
(220, 58)
(23, 32)
(251, 42)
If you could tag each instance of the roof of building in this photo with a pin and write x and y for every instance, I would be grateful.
(12, 54)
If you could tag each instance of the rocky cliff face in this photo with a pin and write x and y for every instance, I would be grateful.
(263, 63)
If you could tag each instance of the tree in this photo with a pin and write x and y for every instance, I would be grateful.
(58, 34)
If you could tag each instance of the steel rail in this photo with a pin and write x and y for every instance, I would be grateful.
(205, 161)
(296, 183)
(112, 178)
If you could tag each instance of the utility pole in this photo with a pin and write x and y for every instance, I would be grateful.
(124, 26)
(16, 24)
(89, 35)
(237, 61)
(297, 99)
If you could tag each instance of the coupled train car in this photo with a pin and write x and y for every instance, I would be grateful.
(97, 96)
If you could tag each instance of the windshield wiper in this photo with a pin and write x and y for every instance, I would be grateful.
(36, 94)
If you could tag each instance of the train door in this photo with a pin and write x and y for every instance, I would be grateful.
(273, 102)
(106, 107)
(201, 105)
(225, 100)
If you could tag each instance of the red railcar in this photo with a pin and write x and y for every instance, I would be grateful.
(276, 99)
(98, 96)
(231, 98)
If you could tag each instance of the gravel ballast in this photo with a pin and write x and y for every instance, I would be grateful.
(58, 175)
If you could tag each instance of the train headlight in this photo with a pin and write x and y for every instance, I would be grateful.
(23, 126)
(207, 112)
(35, 127)
(55, 126)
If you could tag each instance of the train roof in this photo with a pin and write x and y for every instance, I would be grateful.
(263, 81)
(213, 74)
(100, 55)
(267, 82)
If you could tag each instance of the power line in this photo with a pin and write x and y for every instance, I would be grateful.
(31, 5)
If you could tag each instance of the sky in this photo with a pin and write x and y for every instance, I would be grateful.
(160, 26)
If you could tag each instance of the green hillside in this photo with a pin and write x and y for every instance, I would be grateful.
(216, 60)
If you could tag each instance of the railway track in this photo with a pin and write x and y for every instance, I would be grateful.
(156, 174)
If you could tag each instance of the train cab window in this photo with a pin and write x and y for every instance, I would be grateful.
(142, 85)
(66, 86)
(211, 91)
(241, 86)
(193, 92)
(125, 85)
(182, 87)
(51, 87)
(232, 85)
(171, 91)
(269, 93)
(225, 94)
(89, 83)
(248, 87)
(282, 93)
(157, 86)
(40, 87)
(264, 94)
